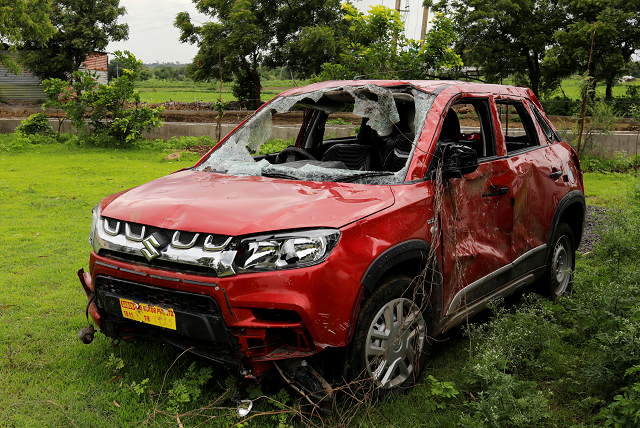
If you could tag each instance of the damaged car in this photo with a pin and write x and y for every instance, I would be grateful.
(341, 258)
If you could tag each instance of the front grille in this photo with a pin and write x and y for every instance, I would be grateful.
(136, 229)
(180, 300)
(185, 237)
(200, 327)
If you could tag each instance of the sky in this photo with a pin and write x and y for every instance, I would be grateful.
(153, 38)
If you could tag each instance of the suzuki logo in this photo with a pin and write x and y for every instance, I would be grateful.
(153, 245)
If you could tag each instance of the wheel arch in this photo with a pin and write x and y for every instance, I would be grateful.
(409, 258)
(571, 210)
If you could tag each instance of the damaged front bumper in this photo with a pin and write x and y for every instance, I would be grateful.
(243, 322)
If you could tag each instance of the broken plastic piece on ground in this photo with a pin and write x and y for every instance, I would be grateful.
(308, 382)
(244, 407)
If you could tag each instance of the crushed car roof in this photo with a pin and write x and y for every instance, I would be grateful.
(425, 85)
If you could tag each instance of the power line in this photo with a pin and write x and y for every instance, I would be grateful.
(158, 10)
(154, 22)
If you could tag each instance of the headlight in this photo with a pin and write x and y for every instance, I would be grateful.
(285, 250)
(94, 223)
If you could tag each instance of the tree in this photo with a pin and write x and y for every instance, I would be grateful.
(23, 20)
(377, 49)
(83, 26)
(508, 38)
(613, 27)
(246, 34)
(116, 115)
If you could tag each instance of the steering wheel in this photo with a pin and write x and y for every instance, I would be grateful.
(291, 154)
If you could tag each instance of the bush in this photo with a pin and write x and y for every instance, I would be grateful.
(560, 105)
(37, 123)
(621, 162)
(565, 106)
(116, 115)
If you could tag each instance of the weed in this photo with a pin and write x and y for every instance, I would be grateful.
(114, 363)
(187, 389)
(274, 146)
(338, 121)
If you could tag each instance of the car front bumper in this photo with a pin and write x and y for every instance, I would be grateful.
(246, 320)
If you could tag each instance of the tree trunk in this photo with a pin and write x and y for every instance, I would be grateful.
(534, 71)
(609, 92)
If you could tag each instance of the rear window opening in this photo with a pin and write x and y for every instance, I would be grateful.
(377, 153)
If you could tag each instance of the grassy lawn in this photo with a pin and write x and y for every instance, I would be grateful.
(608, 190)
(50, 379)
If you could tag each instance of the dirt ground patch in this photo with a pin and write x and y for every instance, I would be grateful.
(195, 112)
(202, 112)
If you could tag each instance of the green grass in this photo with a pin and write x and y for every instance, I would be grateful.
(159, 91)
(47, 199)
(50, 379)
(607, 190)
(572, 89)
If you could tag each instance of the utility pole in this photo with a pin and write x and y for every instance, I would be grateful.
(425, 19)
(395, 38)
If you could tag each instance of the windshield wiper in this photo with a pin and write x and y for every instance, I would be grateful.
(352, 178)
(279, 175)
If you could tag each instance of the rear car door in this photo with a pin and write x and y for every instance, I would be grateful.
(537, 186)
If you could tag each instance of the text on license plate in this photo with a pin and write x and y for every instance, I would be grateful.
(149, 314)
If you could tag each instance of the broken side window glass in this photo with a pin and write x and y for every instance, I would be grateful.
(377, 151)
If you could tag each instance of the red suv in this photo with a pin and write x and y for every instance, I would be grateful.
(342, 256)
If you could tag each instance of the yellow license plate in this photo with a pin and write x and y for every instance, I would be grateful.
(149, 314)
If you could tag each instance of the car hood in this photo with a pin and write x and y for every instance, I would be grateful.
(237, 205)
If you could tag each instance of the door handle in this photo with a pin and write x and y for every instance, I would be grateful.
(500, 191)
(555, 174)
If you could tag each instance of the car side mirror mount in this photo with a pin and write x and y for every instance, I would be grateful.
(458, 160)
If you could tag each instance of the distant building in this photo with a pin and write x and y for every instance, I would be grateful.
(26, 86)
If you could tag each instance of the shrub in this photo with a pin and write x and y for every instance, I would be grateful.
(621, 162)
(37, 123)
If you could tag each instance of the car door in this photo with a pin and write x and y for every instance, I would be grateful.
(476, 215)
(537, 187)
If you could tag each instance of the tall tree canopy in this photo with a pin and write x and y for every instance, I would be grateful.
(507, 38)
(614, 27)
(376, 48)
(83, 26)
(23, 20)
(246, 34)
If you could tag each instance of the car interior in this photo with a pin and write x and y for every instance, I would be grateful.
(368, 150)
(467, 122)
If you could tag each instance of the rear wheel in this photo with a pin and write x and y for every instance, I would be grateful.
(391, 342)
(559, 273)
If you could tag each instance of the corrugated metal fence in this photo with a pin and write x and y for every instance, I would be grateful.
(26, 86)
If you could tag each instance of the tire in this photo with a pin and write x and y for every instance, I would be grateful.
(558, 276)
(390, 350)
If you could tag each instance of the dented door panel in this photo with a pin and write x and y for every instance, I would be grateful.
(476, 230)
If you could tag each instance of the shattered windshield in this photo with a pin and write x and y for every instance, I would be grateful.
(377, 151)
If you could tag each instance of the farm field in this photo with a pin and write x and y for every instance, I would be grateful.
(50, 379)
(159, 91)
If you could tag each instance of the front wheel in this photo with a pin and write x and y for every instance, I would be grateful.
(391, 342)
(561, 263)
